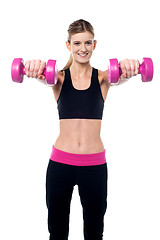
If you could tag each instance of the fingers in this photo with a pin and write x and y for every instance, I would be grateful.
(137, 65)
(129, 68)
(32, 68)
(27, 68)
(124, 70)
(35, 69)
(41, 70)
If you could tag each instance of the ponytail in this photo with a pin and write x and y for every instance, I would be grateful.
(69, 63)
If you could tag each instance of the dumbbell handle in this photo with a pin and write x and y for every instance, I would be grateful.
(140, 71)
(24, 72)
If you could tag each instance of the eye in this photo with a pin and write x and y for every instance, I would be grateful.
(88, 43)
(76, 43)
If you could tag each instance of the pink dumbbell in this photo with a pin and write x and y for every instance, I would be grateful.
(18, 71)
(145, 69)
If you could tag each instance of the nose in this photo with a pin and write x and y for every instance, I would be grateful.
(83, 47)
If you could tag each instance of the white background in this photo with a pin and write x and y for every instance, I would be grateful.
(30, 125)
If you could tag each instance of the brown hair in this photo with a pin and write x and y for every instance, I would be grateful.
(77, 27)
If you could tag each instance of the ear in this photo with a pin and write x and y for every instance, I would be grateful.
(68, 45)
(95, 43)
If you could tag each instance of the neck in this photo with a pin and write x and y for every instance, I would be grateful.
(80, 69)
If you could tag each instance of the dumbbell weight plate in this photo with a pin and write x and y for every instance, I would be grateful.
(146, 70)
(17, 70)
(51, 72)
(113, 71)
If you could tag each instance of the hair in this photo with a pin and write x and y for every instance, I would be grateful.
(78, 26)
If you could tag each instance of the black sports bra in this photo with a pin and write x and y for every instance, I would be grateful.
(74, 103)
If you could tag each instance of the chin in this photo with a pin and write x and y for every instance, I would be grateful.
(83, 61)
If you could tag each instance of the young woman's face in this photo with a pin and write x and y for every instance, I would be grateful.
(81, 46)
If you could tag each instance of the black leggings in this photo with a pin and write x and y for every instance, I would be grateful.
(92, 186)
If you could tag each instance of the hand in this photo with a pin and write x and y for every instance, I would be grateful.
(35, 69)
(129, 68)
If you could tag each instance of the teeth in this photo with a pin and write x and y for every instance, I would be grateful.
(82, 54)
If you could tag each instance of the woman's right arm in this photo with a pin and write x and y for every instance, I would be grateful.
(35, 69)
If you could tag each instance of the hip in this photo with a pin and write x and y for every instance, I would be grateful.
(75, 159)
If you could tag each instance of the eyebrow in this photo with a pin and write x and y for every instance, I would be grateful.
(85, 41)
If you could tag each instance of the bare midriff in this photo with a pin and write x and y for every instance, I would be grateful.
(80, 136)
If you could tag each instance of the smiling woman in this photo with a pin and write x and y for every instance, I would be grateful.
(78, 154)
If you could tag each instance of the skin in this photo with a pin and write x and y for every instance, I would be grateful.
(81, 136)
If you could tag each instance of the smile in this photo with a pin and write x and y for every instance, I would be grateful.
(83, 54)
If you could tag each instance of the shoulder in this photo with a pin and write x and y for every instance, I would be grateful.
(61, 76)
(103, 77)
(58, 85)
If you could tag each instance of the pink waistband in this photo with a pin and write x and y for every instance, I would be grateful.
(78, 159)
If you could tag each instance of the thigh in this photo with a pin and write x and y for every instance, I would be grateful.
(59, 188)
(59, 182)
(92, 186)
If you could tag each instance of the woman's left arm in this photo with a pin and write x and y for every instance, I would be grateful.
(129, 68)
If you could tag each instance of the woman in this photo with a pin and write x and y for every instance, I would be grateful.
(78, 155)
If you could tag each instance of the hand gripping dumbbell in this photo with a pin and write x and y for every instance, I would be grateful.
(145, 69)
(50, 71)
